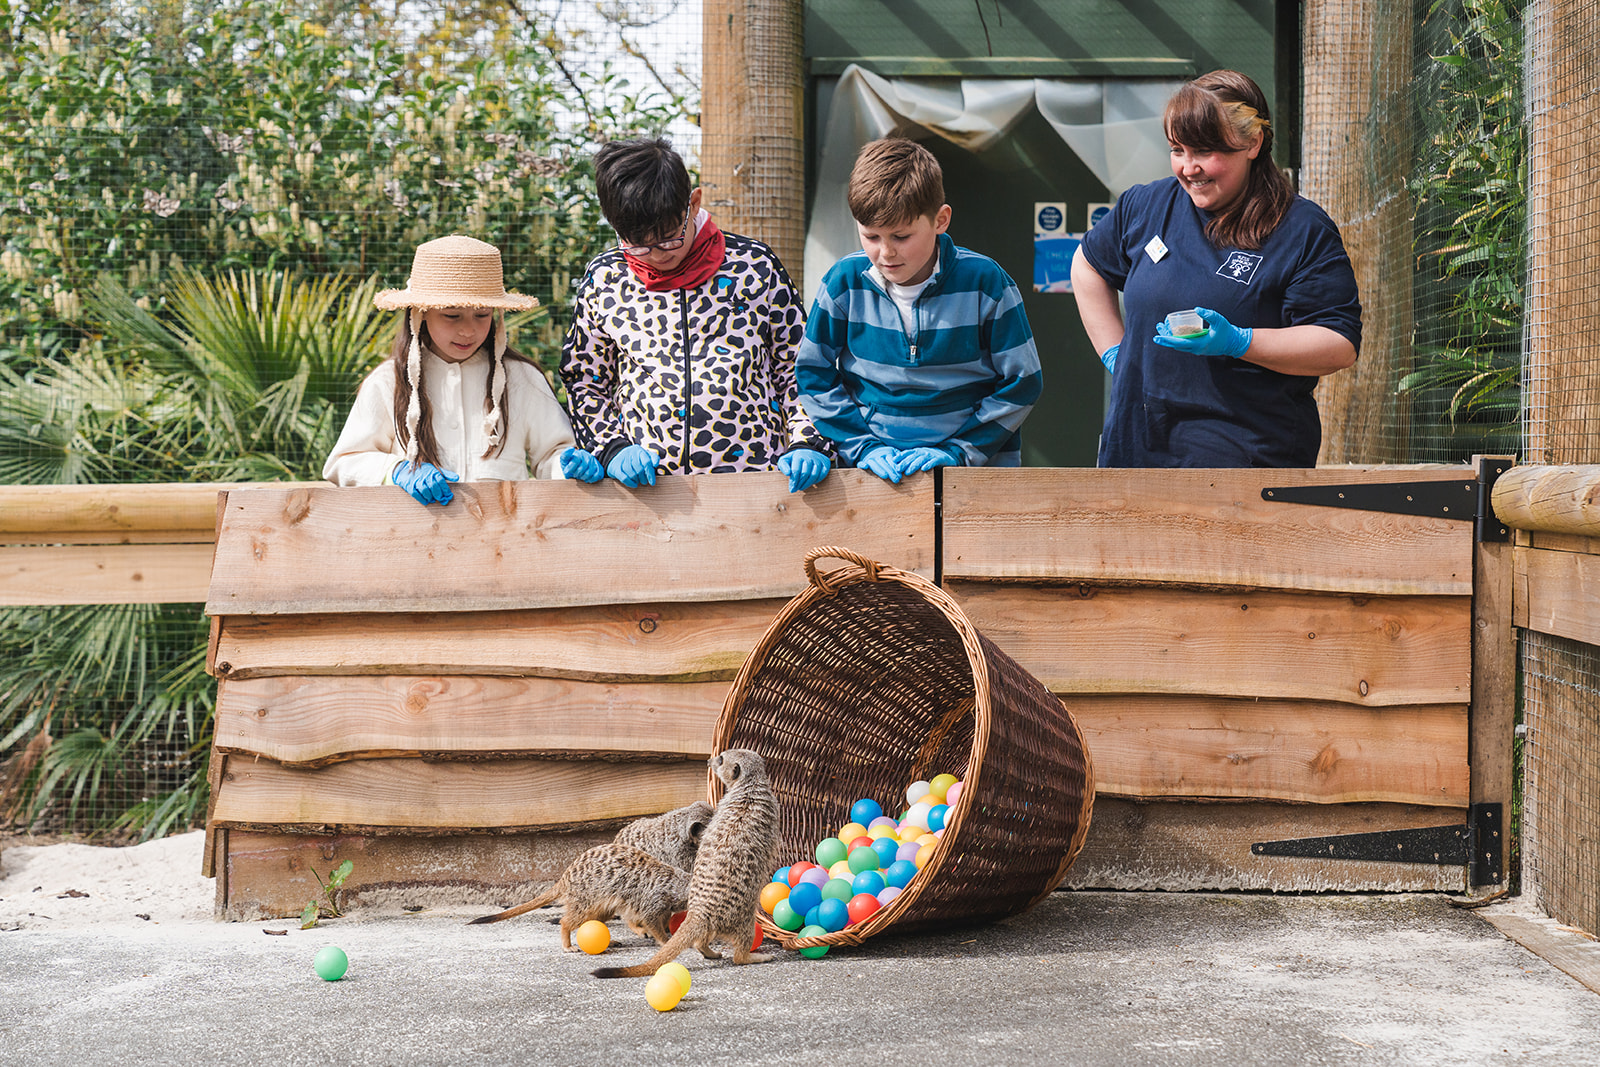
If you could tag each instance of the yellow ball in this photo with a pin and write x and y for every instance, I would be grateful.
(594, 937)
(881, 830)
(940, 784)
(663, 990)
(678, 971)
(850, 831)
(841, 870)
(925, 853)
(771, 893)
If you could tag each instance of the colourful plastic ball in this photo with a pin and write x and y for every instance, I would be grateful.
(865, 810)
(813, 952)
(865, 858)
(882, 820)
(838, 889)
(936, 817)
(781, 875)
(886, 847)
(678, 971)
(850, 831)
(879, 831)
(771, 894)
(939, 785)
(918, 815)
(954, 794)
(755, 942)
(798, 870)
(330, 963)
(594, 937)
(925, 854)
(859, 841)
(916, 791)
(900, 873)
(676, 921)
(841, 870)
(811, 916)
(804, 897)
(830, 850)
(888, 894)
(663, 991)
(867, 882)
(862, 906)
(833, 915)
(817, 876)
(907, 851)
(786, 917)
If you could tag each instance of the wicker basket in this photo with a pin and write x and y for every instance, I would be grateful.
(873, 678)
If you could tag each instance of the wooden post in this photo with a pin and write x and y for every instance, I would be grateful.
(1555, 499)
(752, 157)
(1492, 725)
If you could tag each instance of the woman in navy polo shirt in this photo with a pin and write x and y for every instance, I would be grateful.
(1265, 268)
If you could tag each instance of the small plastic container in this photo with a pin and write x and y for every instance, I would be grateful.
(1186, 323)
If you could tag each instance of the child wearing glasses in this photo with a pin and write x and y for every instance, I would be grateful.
(680, 356)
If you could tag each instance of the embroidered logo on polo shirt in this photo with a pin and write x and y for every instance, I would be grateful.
(1239, 267)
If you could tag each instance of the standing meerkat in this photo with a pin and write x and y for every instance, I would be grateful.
(612, 879)
(673, 838)
(735, 861)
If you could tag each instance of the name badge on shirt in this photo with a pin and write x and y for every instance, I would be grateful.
(1155, 249)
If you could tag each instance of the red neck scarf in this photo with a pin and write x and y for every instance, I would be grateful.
(704, 258)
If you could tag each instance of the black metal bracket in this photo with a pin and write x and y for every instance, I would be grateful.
(1465, 499)
(1477, 845)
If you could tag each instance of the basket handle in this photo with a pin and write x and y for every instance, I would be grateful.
(821, 581)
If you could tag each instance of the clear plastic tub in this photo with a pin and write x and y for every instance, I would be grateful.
(1186, 323)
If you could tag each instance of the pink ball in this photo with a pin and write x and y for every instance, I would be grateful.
(953, 794)
(888, 893)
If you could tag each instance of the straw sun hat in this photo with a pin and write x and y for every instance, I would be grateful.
(454, 271)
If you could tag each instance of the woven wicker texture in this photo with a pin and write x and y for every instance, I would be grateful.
(874, 678)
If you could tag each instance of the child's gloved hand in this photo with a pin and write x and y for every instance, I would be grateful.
(1223, 338)
(581, 466)
(634, 466)
(1109, 356)
(924, 458)
(805, 468)
(884, 462)
(427, 483)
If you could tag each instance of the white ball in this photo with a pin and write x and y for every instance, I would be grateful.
(916, 791)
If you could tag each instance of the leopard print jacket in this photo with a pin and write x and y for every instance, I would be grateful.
(703, 376)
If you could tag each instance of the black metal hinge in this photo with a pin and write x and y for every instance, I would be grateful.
(1478, 845)
(1466, 499)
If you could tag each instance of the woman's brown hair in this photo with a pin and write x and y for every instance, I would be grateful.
(427, 445)
(1221, 112)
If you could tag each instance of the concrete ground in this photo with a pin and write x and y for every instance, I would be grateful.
(1084, 978)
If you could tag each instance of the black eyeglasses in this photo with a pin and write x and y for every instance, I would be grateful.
(640, 251)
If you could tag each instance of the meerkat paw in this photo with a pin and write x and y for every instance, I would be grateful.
(756, 957)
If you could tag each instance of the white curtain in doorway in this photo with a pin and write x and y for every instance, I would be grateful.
(1113, 126)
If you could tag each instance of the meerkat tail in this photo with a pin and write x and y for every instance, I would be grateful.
(688, 933)
(540, 901)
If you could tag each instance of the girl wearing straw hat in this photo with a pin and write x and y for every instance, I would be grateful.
(454, 401)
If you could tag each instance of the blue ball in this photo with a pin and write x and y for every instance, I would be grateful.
(936, 816)
(899, 873)
(781, 875)
(868, 882)
(833, 915)
(885, 847)
(811, 916)
(805, 896)
(865, 810)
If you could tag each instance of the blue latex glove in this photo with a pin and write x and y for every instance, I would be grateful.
(884, 462)
(1222, 339)
(1109, 356)
(634, 466)
(805, 468)
(427, 483)
(923, 458)
(581, 466)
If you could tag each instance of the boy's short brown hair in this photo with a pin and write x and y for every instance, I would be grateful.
(894, 180)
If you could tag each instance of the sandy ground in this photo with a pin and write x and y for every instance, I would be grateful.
(111, 955)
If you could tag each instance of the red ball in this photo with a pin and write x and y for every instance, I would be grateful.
(757, 942)
(862, 840)
(677, 921)
(796, 870)
(861, 907)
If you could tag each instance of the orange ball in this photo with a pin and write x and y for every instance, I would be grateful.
(924, 854)
(850, 831)
(771, 893)
(663, 991)
(594, 937)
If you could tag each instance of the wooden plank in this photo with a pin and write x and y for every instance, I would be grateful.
(412, 794)
(1179, 847)
(532, 544)
(29, 511)
(1558, 499)
(1560, 542)
(1311, 752)
(317, 720)
(1494, 687)
(1197, 527)
(1557, 593)
(1566, 948)
(1375, 651)
(613, 642)
(266, 875)
(104, 574)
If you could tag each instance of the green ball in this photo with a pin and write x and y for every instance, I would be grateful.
(815, 952)
(831, 850)
(838, 889)
(865, 858)
(786, 917)
(330, 963)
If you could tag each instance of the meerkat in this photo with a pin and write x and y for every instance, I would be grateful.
(673, 838)
(735, 861)
(612, 879)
